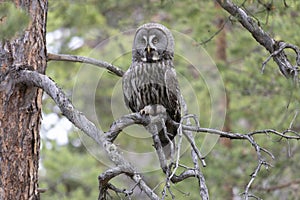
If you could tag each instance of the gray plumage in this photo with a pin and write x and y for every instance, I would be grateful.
(151, 78)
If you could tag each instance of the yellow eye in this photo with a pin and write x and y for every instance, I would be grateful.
(155, 40)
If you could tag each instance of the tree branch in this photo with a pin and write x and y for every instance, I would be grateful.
(195, 172)
(123, 122)
(263, 38)
(72, 58)
(122, 165)
(104, 178)
(33, 78)
(216, 33)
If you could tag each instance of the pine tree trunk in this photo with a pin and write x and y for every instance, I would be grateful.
(20, 107)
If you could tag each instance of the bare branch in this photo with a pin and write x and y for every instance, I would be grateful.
(195, 153)
(72, 58)
(253, 176)
(79, 120)
(122, 165)
(295, 136)
(201, 180)
(125, 121)
(122, 191)
(195, 172)
(152, 128)
(274, 47)
(282, 46)
(216, 33)
(190, 138)
(104, 178)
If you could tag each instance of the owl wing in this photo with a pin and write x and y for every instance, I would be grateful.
(173, 94)
(128, 90)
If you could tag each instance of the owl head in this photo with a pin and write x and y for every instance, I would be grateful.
(152, 43)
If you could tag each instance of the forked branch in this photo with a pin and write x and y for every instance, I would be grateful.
(276, 48)
(122, 165)
(33, 78)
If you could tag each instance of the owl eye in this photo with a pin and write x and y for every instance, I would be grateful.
(155, 40)
(143, 41)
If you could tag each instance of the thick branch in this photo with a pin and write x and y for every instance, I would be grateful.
(263, 38)
(136, 118)
(195, 172)
(125, 121)
(79, 120)
(123, 166)
(72, 58)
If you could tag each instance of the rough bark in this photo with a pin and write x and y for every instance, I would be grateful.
(20, 106)
(276, 48)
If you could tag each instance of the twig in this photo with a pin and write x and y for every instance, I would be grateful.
(122, 165)
(294, 118)
(253, 176)
(121, 191)
(282, 46)
(72, 58)
(104, 178)
(33, 78)
(191, 140)
(216, 33)
(152, 128)
(263, 38)
(240, 136)
(195, 153)
(201, 180)
(195, 172)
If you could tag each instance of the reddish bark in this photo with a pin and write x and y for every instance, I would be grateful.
(20, 106)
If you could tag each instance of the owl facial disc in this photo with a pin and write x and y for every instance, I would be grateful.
(150, 53)
(152, 43)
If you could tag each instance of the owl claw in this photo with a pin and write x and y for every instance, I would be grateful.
(147, 110)
(153, 110)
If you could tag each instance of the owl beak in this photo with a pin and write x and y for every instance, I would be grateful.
(148, 49)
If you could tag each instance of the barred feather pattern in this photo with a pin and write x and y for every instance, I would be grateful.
(150, 84)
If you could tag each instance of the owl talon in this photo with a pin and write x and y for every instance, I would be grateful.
(153, 110)
(147, 110)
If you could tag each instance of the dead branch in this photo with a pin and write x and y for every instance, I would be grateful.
(282, 46)
(195, 172)
(171, 168)
(125, 121)
(104, 179)
(33, 78)
(216, 33)
(81, 59)
(275, 48)
(195, 153)
(122, 165)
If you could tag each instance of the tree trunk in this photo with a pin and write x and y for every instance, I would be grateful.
(221, 46)
(20, 106)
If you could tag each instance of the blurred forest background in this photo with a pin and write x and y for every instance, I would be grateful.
(69, 170)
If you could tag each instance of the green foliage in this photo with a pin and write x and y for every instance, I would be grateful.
(67, 174)
(256, 100)
(12, 21)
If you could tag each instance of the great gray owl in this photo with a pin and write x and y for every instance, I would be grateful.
(151, 78)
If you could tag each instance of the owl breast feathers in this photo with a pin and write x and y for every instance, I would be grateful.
(151, 78)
